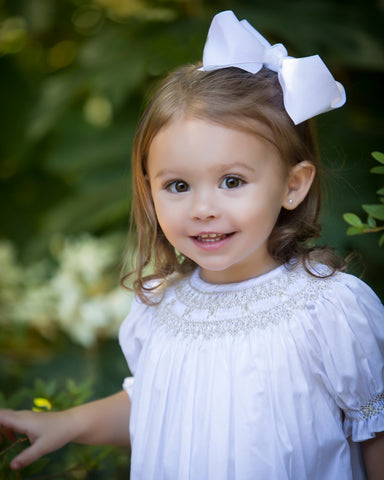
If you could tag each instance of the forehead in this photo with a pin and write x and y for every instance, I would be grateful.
(225, 118)
(192, 122)
(192, 142)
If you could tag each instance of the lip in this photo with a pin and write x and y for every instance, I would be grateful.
(211, 240)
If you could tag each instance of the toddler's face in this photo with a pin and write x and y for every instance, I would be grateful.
(217, 193)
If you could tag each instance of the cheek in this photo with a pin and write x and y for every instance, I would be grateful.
(261, 212)
(167, 217)
(157, 204)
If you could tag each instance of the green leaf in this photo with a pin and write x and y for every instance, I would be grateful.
(381, 241)
(381, 191)
(379, 170)
(371, 222)
(375, 211)
(378, 156)
(355, 231)
(353, 220)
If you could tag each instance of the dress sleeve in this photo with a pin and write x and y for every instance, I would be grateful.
(133, 332)
(349, 332)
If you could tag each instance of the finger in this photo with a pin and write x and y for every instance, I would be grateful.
(8, 434)
(6, 428)
(27, 456)
(10, 422)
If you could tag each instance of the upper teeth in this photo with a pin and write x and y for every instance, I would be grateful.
(210, 235)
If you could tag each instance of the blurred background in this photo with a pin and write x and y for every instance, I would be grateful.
(74, 78)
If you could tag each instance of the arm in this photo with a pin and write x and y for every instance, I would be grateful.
(373, 454)
(103, 422)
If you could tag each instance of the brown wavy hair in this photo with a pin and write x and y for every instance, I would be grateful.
(234, 98)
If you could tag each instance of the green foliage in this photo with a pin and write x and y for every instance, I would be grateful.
(74, 461)
(71, 395)
(375, 212)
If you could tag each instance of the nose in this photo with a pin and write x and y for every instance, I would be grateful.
(205, 206)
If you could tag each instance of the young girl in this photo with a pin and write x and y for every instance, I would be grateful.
(253, 356)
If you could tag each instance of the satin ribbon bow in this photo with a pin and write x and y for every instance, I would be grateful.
(308, 86)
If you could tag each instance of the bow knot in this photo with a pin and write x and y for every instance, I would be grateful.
(308, 86)
(274, 55)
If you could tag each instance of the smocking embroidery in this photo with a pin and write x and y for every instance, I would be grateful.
(192, 312)
(367, 411)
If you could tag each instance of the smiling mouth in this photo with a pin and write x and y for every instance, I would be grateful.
(212, 237)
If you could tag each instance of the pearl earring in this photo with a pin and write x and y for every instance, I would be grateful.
(290, 201)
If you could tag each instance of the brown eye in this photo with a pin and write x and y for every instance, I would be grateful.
(231, 182)
(178, 187)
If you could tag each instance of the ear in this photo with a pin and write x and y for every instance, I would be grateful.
(299, 182)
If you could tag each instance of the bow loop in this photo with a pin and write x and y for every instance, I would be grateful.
(308, 86)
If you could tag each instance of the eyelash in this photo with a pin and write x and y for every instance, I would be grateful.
(172, 186)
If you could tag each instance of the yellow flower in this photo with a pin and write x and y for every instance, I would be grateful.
(41, 405)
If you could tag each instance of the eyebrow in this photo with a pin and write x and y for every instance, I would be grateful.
(222, 167)
(238, 164)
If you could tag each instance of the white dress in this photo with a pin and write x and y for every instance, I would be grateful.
(260, 380)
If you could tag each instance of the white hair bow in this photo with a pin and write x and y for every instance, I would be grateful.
(308, 86)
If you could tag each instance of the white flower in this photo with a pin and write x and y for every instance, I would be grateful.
(37, 307)
(87, 256)
(79, 296)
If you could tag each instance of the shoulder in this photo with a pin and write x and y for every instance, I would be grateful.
(322, 276)
(354, 284)
(142, 312)
(342, 306)
(323, 291)
(349, 286)
(344, 322)
(358, 299)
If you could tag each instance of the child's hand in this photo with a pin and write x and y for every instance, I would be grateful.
(46, 432)
(102, 422)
